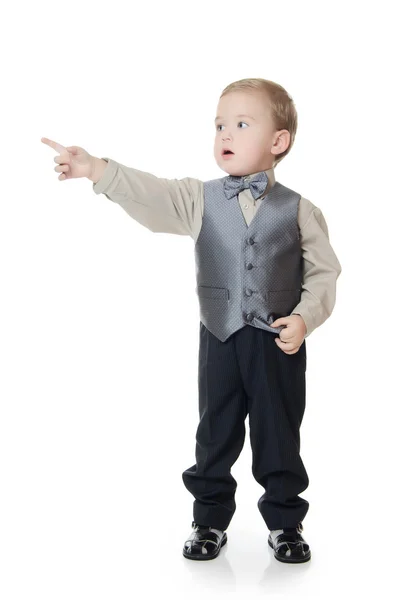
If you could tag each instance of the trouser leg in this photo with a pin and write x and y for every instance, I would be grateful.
(275, 386)
(220, 433)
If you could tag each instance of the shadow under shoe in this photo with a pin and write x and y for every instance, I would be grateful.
(290, 546)
(203, 543)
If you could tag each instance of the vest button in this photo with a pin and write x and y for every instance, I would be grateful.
(249, 316)
(248, 292)
(251, 241)
(249, 266)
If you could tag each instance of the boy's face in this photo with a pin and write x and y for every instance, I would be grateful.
(252, 137)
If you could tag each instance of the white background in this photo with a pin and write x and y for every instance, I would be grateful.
(100, 321)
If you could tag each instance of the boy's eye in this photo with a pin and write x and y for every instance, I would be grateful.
(220, 125)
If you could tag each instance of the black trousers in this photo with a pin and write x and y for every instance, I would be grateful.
(249, 374)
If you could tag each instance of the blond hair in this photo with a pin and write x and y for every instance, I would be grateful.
(282, 107)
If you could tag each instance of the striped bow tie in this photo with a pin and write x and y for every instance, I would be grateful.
(233, 185)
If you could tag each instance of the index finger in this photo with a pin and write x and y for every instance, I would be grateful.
(58, 147)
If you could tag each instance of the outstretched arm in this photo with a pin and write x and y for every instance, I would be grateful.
(159, 204)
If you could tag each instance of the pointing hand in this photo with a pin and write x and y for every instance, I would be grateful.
(73, 161)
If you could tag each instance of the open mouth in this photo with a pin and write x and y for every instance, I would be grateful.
(227, 152)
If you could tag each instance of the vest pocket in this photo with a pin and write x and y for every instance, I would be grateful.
(279, 303)
(206, 291)
(283, 298)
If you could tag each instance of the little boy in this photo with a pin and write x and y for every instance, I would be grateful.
(266, 278)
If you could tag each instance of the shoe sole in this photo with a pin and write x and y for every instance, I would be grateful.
(289, 560)
(204, 556)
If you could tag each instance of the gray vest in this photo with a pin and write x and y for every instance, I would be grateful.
(247, 274)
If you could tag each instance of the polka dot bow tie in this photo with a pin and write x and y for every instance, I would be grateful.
(257, 184)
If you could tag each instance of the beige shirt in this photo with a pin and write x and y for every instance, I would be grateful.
(177, 206)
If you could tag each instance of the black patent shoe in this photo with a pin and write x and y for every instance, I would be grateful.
(290, 546)
(203, 543)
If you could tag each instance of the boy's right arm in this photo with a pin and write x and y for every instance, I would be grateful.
(159, 204)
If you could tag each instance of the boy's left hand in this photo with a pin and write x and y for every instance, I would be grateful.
(291, 336)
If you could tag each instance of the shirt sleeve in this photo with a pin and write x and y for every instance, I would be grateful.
(321, 269)
(161, 205)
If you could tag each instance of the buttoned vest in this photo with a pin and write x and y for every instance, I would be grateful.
(247, 274)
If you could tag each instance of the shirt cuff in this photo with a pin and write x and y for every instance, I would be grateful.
(107, 176)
